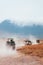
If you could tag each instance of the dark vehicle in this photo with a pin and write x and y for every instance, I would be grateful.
(10, 42)
(38, 41)
(28, 42)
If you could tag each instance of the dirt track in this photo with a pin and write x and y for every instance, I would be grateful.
(21, 60)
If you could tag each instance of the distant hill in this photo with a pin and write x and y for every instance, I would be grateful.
(7, 26)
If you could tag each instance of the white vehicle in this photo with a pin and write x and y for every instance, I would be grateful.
(28, 42)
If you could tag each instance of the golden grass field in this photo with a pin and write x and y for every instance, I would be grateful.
(34, 50)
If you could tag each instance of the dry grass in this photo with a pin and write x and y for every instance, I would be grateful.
(35, 50)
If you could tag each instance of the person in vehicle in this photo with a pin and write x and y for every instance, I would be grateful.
(12, 43)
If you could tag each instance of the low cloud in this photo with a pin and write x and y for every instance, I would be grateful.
(30, 22)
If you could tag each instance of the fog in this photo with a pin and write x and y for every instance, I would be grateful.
(19, 41)
(7, 50)
(33, 39)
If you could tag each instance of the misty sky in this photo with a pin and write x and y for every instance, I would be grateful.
(22, 11)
